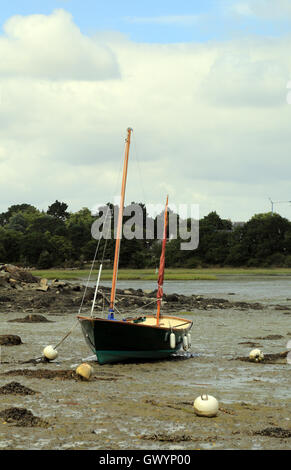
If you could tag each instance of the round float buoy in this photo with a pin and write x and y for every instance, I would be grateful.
(84, 370)
(189, 340)
(172, 340)
(50, 352)
(206, 405)
(256, 355)
(185, 342)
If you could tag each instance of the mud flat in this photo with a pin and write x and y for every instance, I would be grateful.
(145, 405)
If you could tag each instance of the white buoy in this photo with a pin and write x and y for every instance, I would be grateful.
(206, 405)
(50, 352)
(84, 370)
(172, 341)
(256, 355)
(189, 339)
(185, 342)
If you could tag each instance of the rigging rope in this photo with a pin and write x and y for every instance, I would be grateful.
(103, 255)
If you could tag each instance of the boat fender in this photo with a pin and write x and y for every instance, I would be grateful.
(84, 370)
(172, 340)
(185, 343)
(50, 353)
(189, 339)
(206, 405)
(256, 355)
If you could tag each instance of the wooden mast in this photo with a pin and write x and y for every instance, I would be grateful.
(119, 225)
(162, 265)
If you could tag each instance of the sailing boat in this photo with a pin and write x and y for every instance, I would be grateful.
(144, 337)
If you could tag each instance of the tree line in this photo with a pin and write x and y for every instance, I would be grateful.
(58, 238)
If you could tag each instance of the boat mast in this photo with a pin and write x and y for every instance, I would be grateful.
(162, 265)
(119, 224)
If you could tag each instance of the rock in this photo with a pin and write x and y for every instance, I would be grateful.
(15, 388)
(274, 432)
(10, 340)
(31, 319)
(12, 281)
(22, 417)
(4, 279)
(172, 298)
(76, 288)
(19, 274)
(57, 283)
(43, 285)
(146, 291)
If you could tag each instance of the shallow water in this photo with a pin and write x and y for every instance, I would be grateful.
(150, 398)
(233, 287)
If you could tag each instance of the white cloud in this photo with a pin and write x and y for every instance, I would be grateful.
(53, 47)
(239, 78)
(264, 9)
(242, 9)
(211, 123)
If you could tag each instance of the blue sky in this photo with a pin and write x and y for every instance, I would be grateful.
(163, 21)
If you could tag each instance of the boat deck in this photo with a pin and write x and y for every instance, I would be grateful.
(166, 322)
(177, 323)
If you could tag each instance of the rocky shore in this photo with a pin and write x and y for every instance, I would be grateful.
(20, 291)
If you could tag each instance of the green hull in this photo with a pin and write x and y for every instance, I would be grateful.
(117, 341)
(105, 357)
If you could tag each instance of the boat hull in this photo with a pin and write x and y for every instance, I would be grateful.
(116, 341)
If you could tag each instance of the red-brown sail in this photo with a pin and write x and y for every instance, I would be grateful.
(162, 265)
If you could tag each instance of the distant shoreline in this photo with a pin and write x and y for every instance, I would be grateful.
(179, 274)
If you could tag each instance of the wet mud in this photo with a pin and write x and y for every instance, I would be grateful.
(55, 374)
(147, 404)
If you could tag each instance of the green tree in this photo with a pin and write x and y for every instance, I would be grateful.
(58, 210)
(214, 239)
(15, 209)
(47, 223)
(44, 260)
(17, 222)
(11, 241)
(79, 230)
(33, 244)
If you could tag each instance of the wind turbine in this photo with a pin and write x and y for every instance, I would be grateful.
(276, 202)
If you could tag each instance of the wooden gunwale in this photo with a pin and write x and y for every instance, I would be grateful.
(92, 319)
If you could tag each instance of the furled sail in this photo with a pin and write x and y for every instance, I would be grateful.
(162, 264)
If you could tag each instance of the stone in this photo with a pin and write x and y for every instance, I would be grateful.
(10, 340)
(43, 285)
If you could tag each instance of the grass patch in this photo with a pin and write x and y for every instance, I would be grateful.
(202, 274)
(123, 274)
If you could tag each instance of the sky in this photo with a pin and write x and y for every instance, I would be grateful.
(203, 84)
